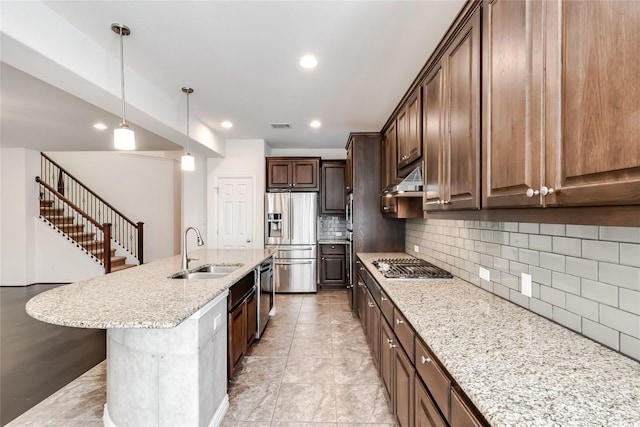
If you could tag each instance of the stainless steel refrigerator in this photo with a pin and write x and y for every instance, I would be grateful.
(290, 226)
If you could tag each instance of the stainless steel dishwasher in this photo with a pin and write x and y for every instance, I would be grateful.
(265, 293)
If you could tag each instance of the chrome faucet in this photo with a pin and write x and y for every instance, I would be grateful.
(185, 258)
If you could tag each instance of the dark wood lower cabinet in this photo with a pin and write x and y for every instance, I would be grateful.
(237, 338)
(386, 357)
(461, 413)
(252, 319)
(426, 412)
(404, 377)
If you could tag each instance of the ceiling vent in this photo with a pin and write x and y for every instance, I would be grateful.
(280, 125)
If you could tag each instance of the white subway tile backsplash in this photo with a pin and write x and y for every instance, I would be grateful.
(586, 278)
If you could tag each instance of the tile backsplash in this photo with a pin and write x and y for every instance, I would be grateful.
(586, 278)
(332, 227)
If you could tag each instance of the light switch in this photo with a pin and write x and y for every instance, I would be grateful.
(416, 248)
(526, 285)
(485, 274)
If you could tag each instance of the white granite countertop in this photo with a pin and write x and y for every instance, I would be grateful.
(518, 368)
(142, 296)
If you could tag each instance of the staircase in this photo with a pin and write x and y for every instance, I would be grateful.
(87, 220)
(75, 233)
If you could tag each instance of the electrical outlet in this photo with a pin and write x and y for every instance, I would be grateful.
(485, 274)
(338, 233)
(526, 285)
(416, 248)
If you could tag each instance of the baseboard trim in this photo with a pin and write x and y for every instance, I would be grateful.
(220, 412)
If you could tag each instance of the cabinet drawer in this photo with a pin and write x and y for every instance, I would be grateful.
(461, 414)
(332, 249)
(386, 306)
(437, 382)
(404, 332)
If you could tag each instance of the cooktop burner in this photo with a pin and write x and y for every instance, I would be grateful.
(410, 268)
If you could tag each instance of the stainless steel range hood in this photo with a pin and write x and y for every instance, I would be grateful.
(411, 186)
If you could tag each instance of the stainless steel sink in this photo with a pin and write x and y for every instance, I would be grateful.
(208, 271)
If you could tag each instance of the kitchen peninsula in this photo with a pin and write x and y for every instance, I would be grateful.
(166, 338)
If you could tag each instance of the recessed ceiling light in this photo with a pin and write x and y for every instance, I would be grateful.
(226, 124)
(315, 124)
(100, 126)
(308, 61)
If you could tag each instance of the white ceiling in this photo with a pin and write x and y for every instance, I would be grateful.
(241, 58)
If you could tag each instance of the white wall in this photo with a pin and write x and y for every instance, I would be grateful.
(194, 202)
(244, 158)
(325, 153)
(18, 206)
(57, 260)
(140, 185)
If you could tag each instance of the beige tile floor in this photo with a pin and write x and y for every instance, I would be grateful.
(311, 368)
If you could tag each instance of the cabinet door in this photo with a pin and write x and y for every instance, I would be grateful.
(389, 164)
(333, 187)
(462, 154)
(237, 338)
(279, 173)
(404, 377)
(414, 128)
(512, 83)
(348, 173)
(387, 343)
(305, 174)
(593, 103)
(426, 411)
(252, 319)
(402, 121)
(374, 331)
(332, 270)
(434, 135)
(461, 414)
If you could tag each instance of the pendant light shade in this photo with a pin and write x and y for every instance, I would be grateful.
(188, 162)
(123, 137)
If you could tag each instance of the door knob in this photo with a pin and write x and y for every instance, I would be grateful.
(248, 240)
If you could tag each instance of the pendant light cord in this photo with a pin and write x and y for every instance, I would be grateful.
(188, 139)
(124, 122)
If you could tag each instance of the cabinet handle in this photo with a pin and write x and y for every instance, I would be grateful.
(446, 202)
(425, 360)
(383, 299)
(333, 247)
(531, 192)
(544, 190)
(293, 185)
(370, 304)
(322, 258)
(390, 342)
(398, 321)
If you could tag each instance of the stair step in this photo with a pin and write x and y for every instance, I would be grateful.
(50, 210)
(81, 236)
(117, 260)
(99, 251)
(59, 219)
(121, 267)
(70, 228)
(46, 203)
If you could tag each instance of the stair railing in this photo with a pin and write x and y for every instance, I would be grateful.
(96, 213)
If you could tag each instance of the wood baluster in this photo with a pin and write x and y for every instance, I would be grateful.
(140, 239)
(60, 182)
(106, 256)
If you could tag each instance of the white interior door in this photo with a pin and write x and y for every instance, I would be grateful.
(235, 213)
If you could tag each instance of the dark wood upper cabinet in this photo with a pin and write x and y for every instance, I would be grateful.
(332, 191)
(451, 130)
(348, 171)
(409, 131)
(295, 174)
(592, 103)
(561, 103)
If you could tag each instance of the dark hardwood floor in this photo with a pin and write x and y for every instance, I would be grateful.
(36, 358)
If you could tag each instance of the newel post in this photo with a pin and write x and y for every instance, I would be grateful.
(106, 256)
(140, 242)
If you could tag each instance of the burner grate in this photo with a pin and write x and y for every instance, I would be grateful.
(410, 268)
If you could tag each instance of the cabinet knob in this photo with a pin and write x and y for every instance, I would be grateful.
(545, 190)
(425, 360)
(333, 247)
(370, 304)
(293, 185)
(386, 208)
(531, 192)
(389, 341)
(383, 299)
(322, 258)
(398, 321)
(446, 202)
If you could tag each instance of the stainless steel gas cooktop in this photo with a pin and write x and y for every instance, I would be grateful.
(410, 268)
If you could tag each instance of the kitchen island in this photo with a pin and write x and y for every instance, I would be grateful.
(166, 338)
(517, 368)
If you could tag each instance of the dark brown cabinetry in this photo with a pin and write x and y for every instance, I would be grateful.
(348, 171)
(409, 131)
(426, 411)
(389, 168)
(242, 321)
(295, 174)
(558, 131)
(404, 378)
(462, 415)
(332, 191)
(386, 356)
(333, 264)
(451, 111)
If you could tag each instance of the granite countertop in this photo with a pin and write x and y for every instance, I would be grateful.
(142, 296)
(518, 368)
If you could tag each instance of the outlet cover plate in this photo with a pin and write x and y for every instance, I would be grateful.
(526, 285)
(485, 274)
(416, 248)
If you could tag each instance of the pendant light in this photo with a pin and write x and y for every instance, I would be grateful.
(123, 137)
(188, 162)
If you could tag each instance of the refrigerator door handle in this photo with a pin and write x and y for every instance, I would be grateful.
(294, 263)
(308, 248)
(291, 221)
